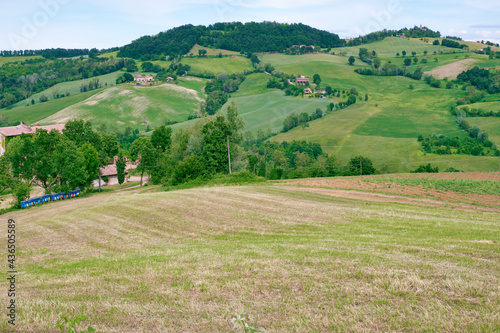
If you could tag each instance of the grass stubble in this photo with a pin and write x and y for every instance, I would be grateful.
(188, 260)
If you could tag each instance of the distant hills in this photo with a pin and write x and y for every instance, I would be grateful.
(235, 36)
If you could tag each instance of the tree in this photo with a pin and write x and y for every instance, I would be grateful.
(6, 179)
(27, 84)
(436, 42)
(147, 66)
(202, 53)
(360, 165)
(161, 138)
(407, 62)
(317, 79)
(366, 97)
(214, 153)
(376, 63)
(120, 168)
(351, 60)
(413, 53)
(91, 163)
(235, 123)
(143, 151)
(415, 60)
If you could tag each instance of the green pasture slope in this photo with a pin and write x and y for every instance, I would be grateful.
(34, 113)
(190, 260)
(73, 87)
(385, 127)
(216, 65)
(135, 106)
(390, 46)
(4, 60)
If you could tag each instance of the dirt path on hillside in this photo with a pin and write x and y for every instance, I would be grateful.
(451, 70)
(378, 197)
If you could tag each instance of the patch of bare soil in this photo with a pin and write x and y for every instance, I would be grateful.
(355, 188)
(451, 70)
(378, 197)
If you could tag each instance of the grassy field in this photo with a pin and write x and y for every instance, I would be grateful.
(188, 261)
(217, 65)
(390, 46)
(386, 127)
(33, 113)
(73, 87)
(211, 52)
(490, 125)
(4, 60)
(135, 106)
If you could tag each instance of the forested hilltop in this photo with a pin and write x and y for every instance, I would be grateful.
(235, 36)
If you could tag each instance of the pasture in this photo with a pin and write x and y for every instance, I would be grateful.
(5, 60)
(134, 106)
(211, 52)
(214, 66)
(294, 258)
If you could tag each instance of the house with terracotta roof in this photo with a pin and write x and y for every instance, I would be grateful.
(7, 133)
(143, 79)
(302, 80)
(109, 173)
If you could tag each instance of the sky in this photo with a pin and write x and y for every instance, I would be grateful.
(39, 24)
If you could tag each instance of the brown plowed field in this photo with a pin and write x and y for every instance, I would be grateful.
(361, 188)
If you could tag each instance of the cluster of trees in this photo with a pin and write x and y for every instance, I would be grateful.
(415, 32)
(473, 112)
(390, 69)
(425, 169)
(57, 162)
(51, 53)
(366, 56)
(293, 120)
(235, 36)
(20, 81)
(444, 145)
(219, 89)
(93, 84)
(482, 79)
(453, 44)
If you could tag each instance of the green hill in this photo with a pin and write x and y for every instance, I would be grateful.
(386, 127)
(135, 106)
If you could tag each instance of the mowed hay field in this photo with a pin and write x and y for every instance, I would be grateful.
(189, 260)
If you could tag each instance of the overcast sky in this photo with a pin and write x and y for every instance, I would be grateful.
(37, 24)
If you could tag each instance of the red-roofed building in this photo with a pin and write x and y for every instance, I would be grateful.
(7, 133)
(302, 80)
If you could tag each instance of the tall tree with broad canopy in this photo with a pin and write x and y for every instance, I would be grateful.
(214, 154)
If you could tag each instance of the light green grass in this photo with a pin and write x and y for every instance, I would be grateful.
(490, 125)
(189, 260)
(73, 87)
(217, 65)
(390, 46)
(109, 54)
(254, 84)
(33, 113)
(386, 127)
(4, 60)
(211, 52)
(135, 106)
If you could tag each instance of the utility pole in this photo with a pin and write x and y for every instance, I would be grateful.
(228, 155)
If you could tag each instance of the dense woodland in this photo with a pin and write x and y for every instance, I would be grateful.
(236, 36)
(415, 32)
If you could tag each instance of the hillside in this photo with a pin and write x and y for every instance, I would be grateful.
(236, 36)
(295, 258)
(135, 106)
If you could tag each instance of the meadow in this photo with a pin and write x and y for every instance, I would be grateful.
(190, 260)
(4, 60)
(211, 52)
(136, 106)
(215, 65)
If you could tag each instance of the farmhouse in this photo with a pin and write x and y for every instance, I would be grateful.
(170, 79)
(302, 80)
(400, 35)
(109, 173)
(308, 91)
(7, 133)
(143, 79)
